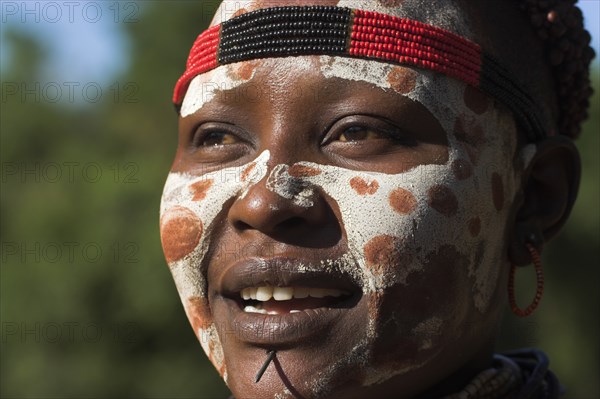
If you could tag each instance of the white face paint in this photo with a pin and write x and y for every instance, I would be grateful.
(231, 8)
(203, 88)
(461, 205)
(189, 201)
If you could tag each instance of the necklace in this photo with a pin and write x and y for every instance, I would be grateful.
(518, 374)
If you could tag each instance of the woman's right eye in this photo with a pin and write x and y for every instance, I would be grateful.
(216, 138)
(218, 143)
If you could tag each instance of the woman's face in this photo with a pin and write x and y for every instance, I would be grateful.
(374, 198)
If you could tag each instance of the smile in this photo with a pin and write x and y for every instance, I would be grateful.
(282, 300)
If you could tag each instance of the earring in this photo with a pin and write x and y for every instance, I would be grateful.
(537, 262)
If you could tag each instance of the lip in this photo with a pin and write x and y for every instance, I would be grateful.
(282, 329)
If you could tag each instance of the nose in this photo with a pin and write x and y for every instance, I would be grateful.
(309, 223)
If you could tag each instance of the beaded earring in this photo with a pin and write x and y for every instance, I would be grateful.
(537, 262)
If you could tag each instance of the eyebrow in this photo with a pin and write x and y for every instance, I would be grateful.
(330, 30)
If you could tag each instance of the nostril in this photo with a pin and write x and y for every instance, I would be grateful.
(292, 222)
(240, 225)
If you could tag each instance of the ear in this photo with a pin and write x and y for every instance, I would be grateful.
(549, 189)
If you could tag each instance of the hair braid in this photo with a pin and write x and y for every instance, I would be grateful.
(559, 23)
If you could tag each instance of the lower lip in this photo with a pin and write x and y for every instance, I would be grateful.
(282, 329)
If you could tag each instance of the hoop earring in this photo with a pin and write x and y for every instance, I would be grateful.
(537, 262)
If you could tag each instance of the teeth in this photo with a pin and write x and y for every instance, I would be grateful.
(265, 293)
(317, 292)
(246, 294)
(283, 293)
(333, 292)
(252, 309)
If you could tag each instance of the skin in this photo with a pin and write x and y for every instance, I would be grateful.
(455, 197)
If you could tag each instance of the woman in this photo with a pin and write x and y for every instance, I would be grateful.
(356, 182)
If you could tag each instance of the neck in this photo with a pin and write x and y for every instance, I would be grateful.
(456, 381)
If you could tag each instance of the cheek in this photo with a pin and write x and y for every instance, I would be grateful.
(191, 203)
(189, 206)
(409, 319)
(385, 254)
(198, 313)
(200, 189)
(402, 201)
(180, 231)
(390, 221)
(364, 187)
(442, 199)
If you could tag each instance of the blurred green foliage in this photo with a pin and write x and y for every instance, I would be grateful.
(111, 325)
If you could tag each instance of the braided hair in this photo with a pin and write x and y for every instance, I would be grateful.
(559, 24)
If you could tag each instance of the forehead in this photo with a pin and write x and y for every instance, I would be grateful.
(311, 80)
(446, 14)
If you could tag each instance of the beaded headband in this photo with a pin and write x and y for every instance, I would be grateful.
(328, 30)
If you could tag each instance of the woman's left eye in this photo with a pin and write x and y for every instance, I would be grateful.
(359, 133)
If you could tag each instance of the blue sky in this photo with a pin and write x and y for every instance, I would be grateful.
(87, 42)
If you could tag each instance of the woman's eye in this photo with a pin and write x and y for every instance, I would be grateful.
(218, 143)
(214, 139)
(359, 134)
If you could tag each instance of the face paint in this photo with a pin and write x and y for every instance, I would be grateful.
(376, 205)
(186, 225)
(432, 219)
(203, 88)
(230, 9)
(388, 218)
